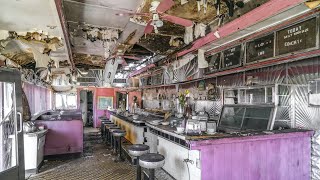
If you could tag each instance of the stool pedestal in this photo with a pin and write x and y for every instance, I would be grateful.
(106, 125)
(112, 139)
(118, 134)
(137, 150)
(102, 127)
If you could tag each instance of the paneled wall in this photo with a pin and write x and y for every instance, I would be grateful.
(39, 98)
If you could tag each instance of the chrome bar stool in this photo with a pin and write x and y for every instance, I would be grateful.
(104, 130)
(137, 150)
(111, 139)
(118, 134)
(108, 127)
(102, 127)
(151, 161)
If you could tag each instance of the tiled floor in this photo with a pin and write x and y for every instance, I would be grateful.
(95, 163)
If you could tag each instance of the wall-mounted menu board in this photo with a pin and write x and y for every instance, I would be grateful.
(297, 37)
(259, 49)
(213, 62)
(231, 57)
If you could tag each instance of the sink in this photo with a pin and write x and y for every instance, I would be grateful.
(47, 117)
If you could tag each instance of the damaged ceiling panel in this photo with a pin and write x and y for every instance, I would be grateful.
(40, 25)
(95, 28)
(158, 27)
(86, 39)
(96, 15)
(89, 61)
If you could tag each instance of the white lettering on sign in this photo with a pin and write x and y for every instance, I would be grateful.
(292, 43)
(263, 44)
(295, 31)
(261, 53)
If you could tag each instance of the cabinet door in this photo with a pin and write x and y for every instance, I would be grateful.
(40, 151)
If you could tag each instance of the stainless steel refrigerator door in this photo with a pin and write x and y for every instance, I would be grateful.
(11, 130)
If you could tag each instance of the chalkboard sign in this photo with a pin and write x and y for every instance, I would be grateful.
(259, 49)
(297, 37)
(231, 57)
(213, 63)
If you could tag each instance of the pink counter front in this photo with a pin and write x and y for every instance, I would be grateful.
(283, 156)
(63, 137)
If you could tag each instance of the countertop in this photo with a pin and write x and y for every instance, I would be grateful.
(219, 135)
(37, 133)
(141, 121)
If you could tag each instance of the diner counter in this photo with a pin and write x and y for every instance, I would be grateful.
(171, 131)
(146, 121)
(285, 153)
(141, 121)
(64, 134)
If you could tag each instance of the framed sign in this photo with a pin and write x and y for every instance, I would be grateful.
(297, 37)
(105, 102)
(213, 63)
(259, 49)
(231, 57)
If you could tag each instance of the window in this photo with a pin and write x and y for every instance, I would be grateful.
(65, 101)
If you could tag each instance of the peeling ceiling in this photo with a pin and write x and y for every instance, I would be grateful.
(25, 16)
(135, 32)
(128, 19)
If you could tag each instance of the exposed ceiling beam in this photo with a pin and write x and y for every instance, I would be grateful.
(65, 31)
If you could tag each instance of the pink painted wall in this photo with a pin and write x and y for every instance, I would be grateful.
(39, 98)
(109, 92)
(132, 94)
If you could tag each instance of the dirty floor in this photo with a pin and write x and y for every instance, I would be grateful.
(95, 163)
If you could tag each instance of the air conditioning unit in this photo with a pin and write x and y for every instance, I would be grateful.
(120, 82)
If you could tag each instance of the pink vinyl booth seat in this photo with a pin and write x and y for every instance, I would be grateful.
(63, 137)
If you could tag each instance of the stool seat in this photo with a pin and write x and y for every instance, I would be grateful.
(110, 125)
(138, 149)
(103, 118)
(151, 160)
(111, 129)
(107, 123)
(119, 133)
